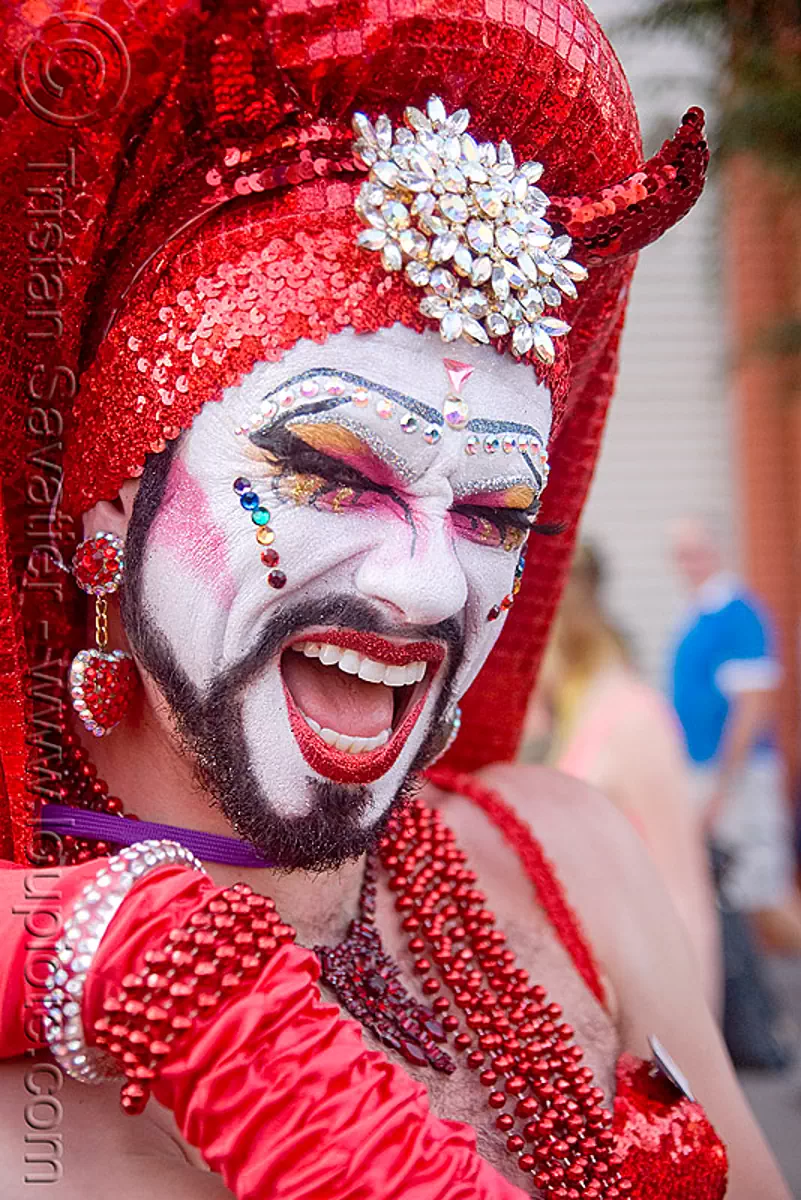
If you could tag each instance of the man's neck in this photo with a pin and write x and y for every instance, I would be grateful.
(140, 764)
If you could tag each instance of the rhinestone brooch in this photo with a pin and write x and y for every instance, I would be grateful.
(467, 226)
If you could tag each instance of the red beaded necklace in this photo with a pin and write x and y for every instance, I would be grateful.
(544, 1100)
(80, 788)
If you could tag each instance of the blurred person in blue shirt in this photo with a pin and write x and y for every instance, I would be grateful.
(724, 679)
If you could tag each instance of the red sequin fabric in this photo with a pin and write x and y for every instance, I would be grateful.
(667, 1143)
(168, 223)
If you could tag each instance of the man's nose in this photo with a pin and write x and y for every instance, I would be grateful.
(415, 571)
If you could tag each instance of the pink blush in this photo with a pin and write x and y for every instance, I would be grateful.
(186, 529)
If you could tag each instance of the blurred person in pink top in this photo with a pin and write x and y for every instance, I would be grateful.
(596, 719)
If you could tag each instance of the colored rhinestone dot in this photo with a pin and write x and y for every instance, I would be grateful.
(336, 388)
(265, 536)
(309, 388)
(409, 423)
(260, 516)
(286, 399)
(276, 579)
(360, 397)
(270, 558)
(522, 443)
(509, 443)
(432, 434)
(242, 485)
(492, 444)
(249, 500)
(493, 614)
(472, 444)
(384, 408)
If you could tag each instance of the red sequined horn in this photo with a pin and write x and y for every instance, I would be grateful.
(619, 220)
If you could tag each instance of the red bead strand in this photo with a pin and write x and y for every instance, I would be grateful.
(80, 788)
(525, 1054)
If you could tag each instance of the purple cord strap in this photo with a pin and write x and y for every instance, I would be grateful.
(209, 847)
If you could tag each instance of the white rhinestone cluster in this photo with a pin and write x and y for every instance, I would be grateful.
(466, 225)
(75, 950)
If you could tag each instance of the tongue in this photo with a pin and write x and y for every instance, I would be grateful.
(335, 700)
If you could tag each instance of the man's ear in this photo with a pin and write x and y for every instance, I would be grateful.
(112, 516)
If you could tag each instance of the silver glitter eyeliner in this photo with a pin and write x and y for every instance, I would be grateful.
(497, 483)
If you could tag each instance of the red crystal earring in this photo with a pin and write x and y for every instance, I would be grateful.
(101, 680)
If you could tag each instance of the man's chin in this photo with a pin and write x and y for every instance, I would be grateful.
(336, 828)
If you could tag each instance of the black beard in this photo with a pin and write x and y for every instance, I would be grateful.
(210, 724)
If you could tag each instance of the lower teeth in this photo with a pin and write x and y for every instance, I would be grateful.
(347, 742)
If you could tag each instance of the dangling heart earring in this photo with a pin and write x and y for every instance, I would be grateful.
(101, 681)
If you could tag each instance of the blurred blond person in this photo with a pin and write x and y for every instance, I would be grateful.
(594, 718)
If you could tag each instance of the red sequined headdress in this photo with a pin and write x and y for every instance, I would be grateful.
(169, 221)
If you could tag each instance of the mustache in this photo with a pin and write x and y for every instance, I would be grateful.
(344, 611)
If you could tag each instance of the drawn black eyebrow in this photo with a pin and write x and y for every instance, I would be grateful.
(489, 425)
(425, 411)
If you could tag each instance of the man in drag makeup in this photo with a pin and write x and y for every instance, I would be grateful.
(347, 289)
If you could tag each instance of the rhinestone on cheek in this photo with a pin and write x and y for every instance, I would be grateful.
(497, 610)
(265, 535)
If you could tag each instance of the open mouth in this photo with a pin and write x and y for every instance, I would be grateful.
(354, 699)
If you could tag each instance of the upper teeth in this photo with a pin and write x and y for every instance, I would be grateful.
(353, 663)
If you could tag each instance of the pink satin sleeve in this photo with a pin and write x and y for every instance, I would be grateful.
(276, 1090)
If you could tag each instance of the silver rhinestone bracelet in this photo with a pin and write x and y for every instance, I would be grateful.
(83, 931)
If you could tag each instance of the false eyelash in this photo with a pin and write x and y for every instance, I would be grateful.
(294, 457)
(548, 528)
(502, 518)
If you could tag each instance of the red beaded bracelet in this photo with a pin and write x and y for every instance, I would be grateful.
(221, 947)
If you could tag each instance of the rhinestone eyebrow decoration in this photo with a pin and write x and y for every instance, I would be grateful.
(466, 225)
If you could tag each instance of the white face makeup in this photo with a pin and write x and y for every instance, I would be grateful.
(396, 536)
